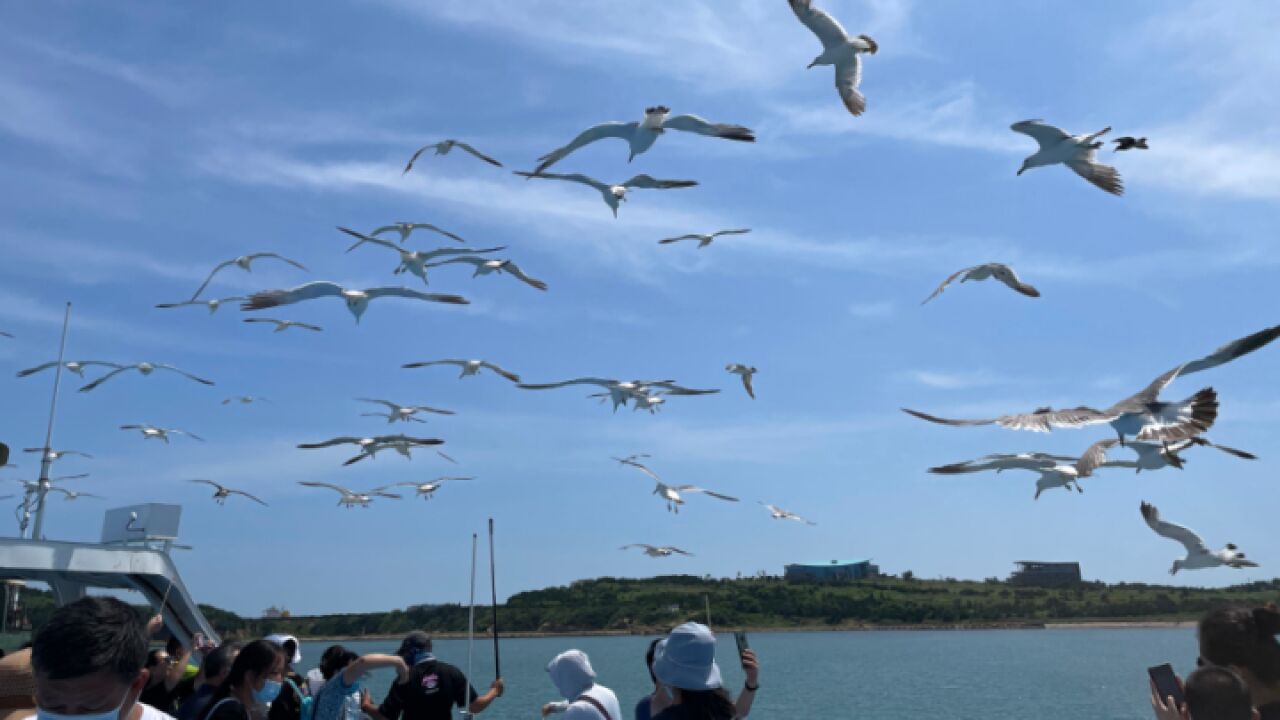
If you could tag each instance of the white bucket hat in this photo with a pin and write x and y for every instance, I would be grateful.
(686, 659)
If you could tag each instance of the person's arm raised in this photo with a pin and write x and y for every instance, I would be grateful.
(362, 665)
(751, 666)
(479, 704)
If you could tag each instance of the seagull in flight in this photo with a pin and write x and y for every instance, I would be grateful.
(245, 262)
(6, 334)
(671, 493)
(213, 305)
(405, 229)
(244, 399)
(403, 413)
(469, 367)
(487, 266)
(747, 372)
(222, 492)
(640, 135)
(1130, 143)
(144, 369)
(657, 552)
(443, 147)
(70, 495)
(369, 446)
(76, 366)
(1151, 455)
(151, 432)
(351, 498)
(622, 391)
(704, 239)
(282, 325)
(614, 195)
(1198, 555)
(357, 300)
(1078, 152)
(1054, 471)
(985, 271)
(1142, 415)
(414, 261)
(778, 513)
(55, 455)
(427, 489)
(838, 49)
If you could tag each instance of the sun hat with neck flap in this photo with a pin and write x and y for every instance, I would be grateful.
(686, 659)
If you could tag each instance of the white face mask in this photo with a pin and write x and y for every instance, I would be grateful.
(42, 714)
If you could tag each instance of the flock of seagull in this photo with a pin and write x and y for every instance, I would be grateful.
(1158, 432)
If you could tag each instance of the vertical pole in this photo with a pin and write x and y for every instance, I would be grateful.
(493, 586)
(46, 461)
(706, 601)
(471, 621)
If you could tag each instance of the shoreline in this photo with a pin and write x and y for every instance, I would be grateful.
(649, 632)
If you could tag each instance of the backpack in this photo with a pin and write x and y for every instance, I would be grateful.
(306, 703)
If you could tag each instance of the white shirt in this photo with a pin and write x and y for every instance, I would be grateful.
(148, 713)
(583, 710)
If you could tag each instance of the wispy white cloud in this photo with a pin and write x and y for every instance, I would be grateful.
(717, 47)
(873, 309)
(149, 81)
(945, 380)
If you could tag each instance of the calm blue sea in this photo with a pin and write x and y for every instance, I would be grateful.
(1041, 674)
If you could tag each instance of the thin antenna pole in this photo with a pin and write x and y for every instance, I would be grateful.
(471, 619)
(164, 601)
(493, 586)
(46, 461)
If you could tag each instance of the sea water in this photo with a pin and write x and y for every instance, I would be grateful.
(1041, 674)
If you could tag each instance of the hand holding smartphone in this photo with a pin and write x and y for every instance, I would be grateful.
(1167, 685)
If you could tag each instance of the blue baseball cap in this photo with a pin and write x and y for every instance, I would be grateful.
(686, 658)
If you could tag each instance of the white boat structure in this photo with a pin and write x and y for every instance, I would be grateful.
(134, 554)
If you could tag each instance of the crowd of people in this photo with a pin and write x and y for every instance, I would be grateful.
(93, 661)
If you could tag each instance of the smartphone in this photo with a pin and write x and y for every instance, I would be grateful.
(1166, 683)
(741, 638)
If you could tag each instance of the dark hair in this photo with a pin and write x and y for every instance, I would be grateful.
(1244, 637)
(413, 642)
(707, 704)
(173, 646)
(90, 635)
(1216, 693)
(648, 659)
(335, 660)
(257, 657)
(153, 658)
(219, 659)
(290, 648)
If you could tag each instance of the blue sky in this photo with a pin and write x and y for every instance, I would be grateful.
(144, 143)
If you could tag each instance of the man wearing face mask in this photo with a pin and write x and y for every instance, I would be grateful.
(432, 689)
(88, 663)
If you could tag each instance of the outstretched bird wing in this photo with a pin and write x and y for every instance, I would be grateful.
(1231, 351)
(620, 130)
(1104, 176)
(572, 177)
(184, 373)
(251, 497)
(1003, 461)
(820, 23)
(504, 373)
(81, 363)
(1042, 420)
(742, 231)
(602, 382)
(696, 489)
(1189, 539)
(668, 241)
(477, 153)
(210, 483)
(695, 124)
(331, 486)
(345, 440)
(275, 298)
(1046, 135)
(848, 78)
(218, 268)
(119, 369)
(950, 279)
(647, 182)
(361, 238)
(415, 294)
(520, 275)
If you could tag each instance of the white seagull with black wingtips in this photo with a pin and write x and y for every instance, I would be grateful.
(1199, 556)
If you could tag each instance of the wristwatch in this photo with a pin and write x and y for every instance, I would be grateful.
(748, 688)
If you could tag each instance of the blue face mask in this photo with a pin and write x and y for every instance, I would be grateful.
(269, 692)
(42, 714)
